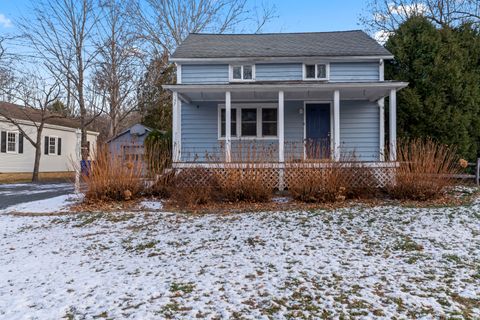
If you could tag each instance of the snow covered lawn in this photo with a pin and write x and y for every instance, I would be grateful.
(359, 262)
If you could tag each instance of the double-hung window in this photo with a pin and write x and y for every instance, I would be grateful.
(233, 124)
(318, 71)
(251, 122)
(244, 72)
(52, 145)
(12, 142)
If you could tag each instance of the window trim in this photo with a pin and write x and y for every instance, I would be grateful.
(56, 146)
(239, 107)
(16, 142)
(327, 71)
(230, 72)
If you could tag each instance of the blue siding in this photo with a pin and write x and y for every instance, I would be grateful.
(339, 72)
(208, 73)
(354, 71)
(200, 131)
(278, 71)
(360, 129)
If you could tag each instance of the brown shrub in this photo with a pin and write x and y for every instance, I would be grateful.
(331, 181)
(317, 184)
(192, 187)
(243, 184)
(113, 178)
(426, 169)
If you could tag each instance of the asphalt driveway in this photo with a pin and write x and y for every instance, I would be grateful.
(13, 194)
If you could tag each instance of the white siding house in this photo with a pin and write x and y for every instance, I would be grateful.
(59, 142)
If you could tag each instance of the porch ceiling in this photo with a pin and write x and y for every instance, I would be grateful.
(292, 91)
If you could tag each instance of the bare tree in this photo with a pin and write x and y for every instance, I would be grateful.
(61, 32)
(36, 95)
(386, 15)
(166, 23)
(117, 68)
(6, 73)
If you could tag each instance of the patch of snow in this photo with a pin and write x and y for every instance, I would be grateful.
(51, 205)
(31, 188)
(151, 205)
(381, 262)
(281, 199)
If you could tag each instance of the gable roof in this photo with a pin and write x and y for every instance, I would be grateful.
(138, 129)
(19, 112)
(313, 44)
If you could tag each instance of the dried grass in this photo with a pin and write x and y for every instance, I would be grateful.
(111, 178)
(193, 187)
(426, 170)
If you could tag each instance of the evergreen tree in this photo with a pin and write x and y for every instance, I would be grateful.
(155, 103)
(442, 67)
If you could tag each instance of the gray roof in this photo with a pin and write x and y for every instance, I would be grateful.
(314, 44)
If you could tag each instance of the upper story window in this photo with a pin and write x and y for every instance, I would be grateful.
(317, 71)
(245, 72)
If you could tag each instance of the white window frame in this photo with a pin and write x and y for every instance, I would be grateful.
(16, 141)
(239, 107)
(56, 145)
(230, 72)
(327, 71)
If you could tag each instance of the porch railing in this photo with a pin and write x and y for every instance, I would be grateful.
(259, 151)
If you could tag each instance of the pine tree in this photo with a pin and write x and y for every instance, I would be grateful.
(442, 67)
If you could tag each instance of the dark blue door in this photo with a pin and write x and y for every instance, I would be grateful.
(317, 142)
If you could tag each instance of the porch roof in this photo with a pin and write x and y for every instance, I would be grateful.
(293, 90)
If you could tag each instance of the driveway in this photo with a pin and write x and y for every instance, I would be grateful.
(13, 194)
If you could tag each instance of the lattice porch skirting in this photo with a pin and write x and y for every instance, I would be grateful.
(280, 176)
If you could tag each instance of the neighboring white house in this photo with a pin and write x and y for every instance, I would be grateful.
(59, 142)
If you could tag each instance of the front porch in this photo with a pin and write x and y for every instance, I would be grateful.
(278, 124)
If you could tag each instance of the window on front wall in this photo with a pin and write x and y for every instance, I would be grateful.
(249, 122)
(317, 71)
(242, 72)
(52, 145)
(269, 122)
(233, 126)
(253, 122)
(11, 142)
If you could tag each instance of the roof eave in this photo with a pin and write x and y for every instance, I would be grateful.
(282, 59)
(285, 86)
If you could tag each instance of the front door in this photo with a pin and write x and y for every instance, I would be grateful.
(317, 144)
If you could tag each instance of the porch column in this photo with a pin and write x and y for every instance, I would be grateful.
(228, 127)
(281, 141)
(281, 128)
(381, 107)
(177, 125)
(336, 125)
(393, 125)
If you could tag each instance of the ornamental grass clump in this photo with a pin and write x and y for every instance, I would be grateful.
(247, 178)
(158, 162)
(327, 181)
(193, 187)
(426, 169)
(113, 178)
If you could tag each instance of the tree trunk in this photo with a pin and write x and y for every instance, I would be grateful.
(38, 154)
(83, 109)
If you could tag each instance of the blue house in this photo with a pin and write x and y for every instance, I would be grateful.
(305, 97)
